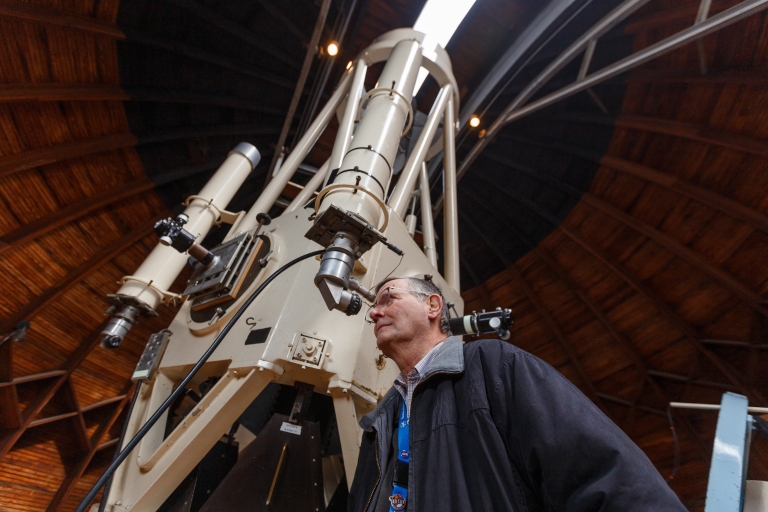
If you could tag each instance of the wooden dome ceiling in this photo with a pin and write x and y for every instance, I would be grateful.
(626, 227)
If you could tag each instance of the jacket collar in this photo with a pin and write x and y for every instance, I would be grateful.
(449, 359)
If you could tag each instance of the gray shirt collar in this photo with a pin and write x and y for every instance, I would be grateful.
(449, 359)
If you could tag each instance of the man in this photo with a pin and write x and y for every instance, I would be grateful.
(489, 427)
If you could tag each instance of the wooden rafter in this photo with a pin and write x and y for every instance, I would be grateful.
(48, 16)
(670, 244)
(726, 205)
(134, 36)
(573, 357)
(8, 437)
(14, 163)
(48, 223)
(94, 444)
(60, 92)
(627, 276)
(79, 273)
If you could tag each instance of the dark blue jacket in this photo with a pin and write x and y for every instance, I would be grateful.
(494, 428)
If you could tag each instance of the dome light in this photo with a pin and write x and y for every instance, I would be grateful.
(474, 122)
(332, 49)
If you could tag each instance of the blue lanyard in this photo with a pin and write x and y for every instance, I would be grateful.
(400, 487)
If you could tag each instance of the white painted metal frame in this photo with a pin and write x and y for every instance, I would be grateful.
(518, 109)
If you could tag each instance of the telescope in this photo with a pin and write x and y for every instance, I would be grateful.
(269, 339)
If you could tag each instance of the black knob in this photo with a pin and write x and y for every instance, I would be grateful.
(264, 219)
(112, 341)
(354, 305)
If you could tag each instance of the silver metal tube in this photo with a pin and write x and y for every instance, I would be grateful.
(588, 53)
(311, 187)
(713, 407)
(404, 188)
(451, 218)
(347, 125)
(292, 162)
(427, 224)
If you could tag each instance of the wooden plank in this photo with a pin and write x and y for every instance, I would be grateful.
(32, 378)
(72, 212)
(11, 164)
(61, 92)
(9, 400)
(9, 437)
(672, 317)
(69, 398)
(81, 272)
(590, 390)
(50, 419)
(696, 133)
(725, 279)
(74, 474)
(168, 44)
(714, 200)
(102, 403)
(31, 12)
(694, 76)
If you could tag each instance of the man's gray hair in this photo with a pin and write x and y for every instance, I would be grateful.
(425, 287)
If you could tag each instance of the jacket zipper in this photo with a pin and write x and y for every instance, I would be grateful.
(410, 431)
(378, 479)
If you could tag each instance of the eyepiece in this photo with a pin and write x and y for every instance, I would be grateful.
(355, 303)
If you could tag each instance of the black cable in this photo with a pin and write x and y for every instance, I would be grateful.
(103, 504)
(183, 384)
(676, 465)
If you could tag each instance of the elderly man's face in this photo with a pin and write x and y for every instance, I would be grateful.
(401, 319)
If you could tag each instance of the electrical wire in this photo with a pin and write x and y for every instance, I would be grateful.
(183, 384)
(103, 504)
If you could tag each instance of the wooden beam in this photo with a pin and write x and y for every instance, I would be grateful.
(134, 36)
(9, 437)
(590, 390)
(726, 280)
(147, 94)
(10, 413)
(14, 163)
(74, 474)
(728, 206)
(32, 378)
(671, 316)
(277, 13)
(61, 92)
(696, 133)
(235, 29)
(618, 268)
(688, 131)
(747, 215)
(683, 378)
(547, 318)
(74, 211)
(74, 276)
(47, 16)
(743, 76)
(617, 400)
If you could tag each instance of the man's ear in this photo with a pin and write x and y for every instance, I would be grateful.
(435, 306)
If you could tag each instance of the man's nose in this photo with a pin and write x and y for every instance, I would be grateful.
(374, 314)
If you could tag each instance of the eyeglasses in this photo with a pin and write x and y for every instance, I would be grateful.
(385, 298)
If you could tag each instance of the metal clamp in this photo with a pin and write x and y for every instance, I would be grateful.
(335, 186)
(165, 294)
(221, 215)
(370, 94)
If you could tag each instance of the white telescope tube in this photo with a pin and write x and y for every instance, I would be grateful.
(164, 263)
(368, 163)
